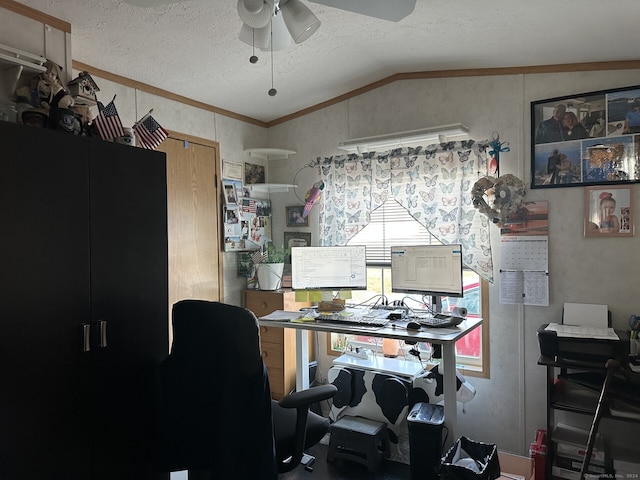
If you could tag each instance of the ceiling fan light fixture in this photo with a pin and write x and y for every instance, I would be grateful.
(255, 13)
(299, 19)
(280, 35)
(253, 6)
(258, 37)
(261, 37)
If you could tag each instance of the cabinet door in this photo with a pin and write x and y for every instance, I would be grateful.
(129, 283)
(44, 300)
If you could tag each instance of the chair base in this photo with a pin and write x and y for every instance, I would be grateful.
(308, 461)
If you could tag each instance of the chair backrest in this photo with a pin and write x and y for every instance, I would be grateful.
(214, 401)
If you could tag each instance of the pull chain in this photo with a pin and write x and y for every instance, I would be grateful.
(272, 91)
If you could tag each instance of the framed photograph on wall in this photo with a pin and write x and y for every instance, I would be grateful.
(230, 192)
(296, 239)
(608, 211)
(232, 170)
(294, 217)
(254, 174)
(586, 139)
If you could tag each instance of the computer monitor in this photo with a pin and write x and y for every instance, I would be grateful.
(329, 268)
(434, 270)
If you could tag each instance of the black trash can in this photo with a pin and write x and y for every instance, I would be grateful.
(426, 426)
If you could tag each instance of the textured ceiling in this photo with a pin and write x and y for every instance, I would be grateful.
(191, 47)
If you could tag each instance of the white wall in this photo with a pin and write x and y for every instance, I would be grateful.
(510, 405)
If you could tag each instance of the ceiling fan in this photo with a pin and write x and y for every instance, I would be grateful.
(274, 24)
(384, 9)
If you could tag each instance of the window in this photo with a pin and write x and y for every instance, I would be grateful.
(391, 224)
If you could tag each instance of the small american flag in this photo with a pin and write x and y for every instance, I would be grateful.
(150, 133)
(108, 121)
(249, 206)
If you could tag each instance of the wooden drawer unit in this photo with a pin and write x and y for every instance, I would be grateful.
(278, 344)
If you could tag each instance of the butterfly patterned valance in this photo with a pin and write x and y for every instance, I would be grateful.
(433, 183)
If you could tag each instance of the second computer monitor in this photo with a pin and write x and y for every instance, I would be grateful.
(329, 268)
(434, 270)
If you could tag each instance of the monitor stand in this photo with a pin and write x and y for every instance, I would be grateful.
(436, 303)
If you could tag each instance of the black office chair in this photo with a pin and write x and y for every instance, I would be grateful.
(215, 413)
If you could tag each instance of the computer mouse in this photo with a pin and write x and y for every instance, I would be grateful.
(413, 326)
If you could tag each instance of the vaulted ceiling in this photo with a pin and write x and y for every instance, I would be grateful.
(191, 47)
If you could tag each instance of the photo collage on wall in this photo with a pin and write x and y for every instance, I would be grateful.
(587, 139)
(247, 221)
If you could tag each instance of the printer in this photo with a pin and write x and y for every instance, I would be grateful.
(583, 336)
(578, 350)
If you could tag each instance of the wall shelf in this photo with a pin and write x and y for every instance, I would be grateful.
(270, 187)
(269, 153)
(13, 62)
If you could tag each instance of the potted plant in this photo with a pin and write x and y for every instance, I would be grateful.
(270, 267)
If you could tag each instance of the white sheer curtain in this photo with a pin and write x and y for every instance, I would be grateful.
(433, 183)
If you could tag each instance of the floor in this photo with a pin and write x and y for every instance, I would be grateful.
(345, 469)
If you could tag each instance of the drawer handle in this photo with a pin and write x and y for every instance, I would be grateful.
(265, 354)
(86, 337)
(264, 304)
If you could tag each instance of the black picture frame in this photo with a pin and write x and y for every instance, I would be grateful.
(601, 148)
(294, 217)
(296, 239)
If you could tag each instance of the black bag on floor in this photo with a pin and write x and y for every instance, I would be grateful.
(470, 460)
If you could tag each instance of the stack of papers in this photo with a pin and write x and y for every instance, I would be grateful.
(283, 316)
(583, 331)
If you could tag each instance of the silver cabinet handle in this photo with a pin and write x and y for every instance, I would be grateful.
(103, 333)
(86, 337)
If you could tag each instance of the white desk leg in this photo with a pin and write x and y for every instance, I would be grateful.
(302, 360)
(450, 393)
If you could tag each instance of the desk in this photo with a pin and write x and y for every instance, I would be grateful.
(443, 336)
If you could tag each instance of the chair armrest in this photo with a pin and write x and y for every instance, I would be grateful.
(308, 396)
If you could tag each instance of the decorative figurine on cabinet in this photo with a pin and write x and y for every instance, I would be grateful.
(45, 95)
(45, 90)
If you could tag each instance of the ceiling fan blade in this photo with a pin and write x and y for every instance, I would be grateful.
(394, 11)
(150, 3)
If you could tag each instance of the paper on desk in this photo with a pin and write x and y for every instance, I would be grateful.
(585, 314)
(582, 331)
(282, 315)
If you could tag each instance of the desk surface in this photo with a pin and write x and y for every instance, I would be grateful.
(394, 329)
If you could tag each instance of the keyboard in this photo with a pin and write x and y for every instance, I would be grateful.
(373, 319)
(439, 320)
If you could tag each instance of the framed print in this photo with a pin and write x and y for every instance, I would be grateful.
(230, 192)
(294, 217)
(296, 239)
(254, 174)
(231, 170)
(586, 139)
(608, 211)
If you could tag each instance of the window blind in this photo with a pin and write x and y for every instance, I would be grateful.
(390, 225)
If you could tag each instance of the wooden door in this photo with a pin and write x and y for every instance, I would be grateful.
(44, 302)
(129, 288)
(195, 263)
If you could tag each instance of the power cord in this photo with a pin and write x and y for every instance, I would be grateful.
(416, 353)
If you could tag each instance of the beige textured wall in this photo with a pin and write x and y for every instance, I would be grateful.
(510, 406)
